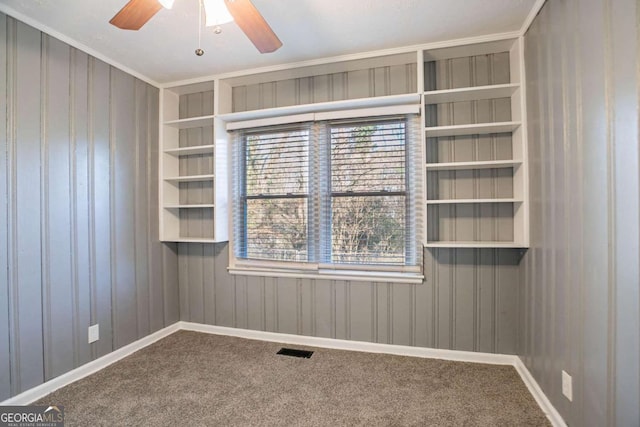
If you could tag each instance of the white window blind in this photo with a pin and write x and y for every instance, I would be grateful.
(328, 195)
(368, 193)
(276, 171)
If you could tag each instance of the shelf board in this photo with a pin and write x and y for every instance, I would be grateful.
(191, 122)
(472, 129)
(190, 240)
(189, 151)
(490, 164)
(470, 93)
(467, 201)
(189, 206)
(454, 244)
(190, 178)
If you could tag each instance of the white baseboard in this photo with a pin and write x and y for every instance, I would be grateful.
(368, 347)
(42, 390)
(35, 393)
(537, 393)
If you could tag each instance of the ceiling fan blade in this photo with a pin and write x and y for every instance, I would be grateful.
(253, 24)
(135, 14)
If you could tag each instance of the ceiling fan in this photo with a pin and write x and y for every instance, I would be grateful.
(136, 13)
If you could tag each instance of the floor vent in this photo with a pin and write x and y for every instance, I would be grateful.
(295, 353)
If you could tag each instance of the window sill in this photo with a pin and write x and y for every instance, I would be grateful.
(328, 274)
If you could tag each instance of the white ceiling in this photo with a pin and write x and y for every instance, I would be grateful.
(163, 50)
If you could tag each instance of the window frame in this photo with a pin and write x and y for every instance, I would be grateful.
(318, 268)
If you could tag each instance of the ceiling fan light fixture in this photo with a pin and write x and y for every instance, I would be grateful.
(216, 13)
(167, 4)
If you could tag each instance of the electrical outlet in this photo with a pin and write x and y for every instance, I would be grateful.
(567, 386)
(94, 333)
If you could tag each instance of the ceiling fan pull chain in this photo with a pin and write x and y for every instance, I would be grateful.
(199, 51)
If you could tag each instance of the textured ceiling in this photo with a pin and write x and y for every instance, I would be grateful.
(163, 50)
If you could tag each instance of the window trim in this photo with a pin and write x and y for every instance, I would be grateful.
(311, 270)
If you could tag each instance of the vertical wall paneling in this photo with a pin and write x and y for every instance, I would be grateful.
(624, 128)
(254, 303)
(159, 271)
(322, 308)
(209, 291)
(287, 302)
(377, 81)
(27, 274)
(58, 269)
(100, 205)
(402, 319)
(340, 307)
(78, 82)
(140, 210)
(581, 295)
(123, 252)
(270, 303)
(5, 369)
(305, 307)
(241, 317)
(468, 301)
(223, 285)
(596, 219)
(361, 311)
(78, 208)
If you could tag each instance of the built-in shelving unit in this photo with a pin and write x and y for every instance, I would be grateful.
(476, 171)
(193, 190)
(474, 138)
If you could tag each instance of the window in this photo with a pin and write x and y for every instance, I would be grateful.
(276, 193)
(368, 197)
(327, 196)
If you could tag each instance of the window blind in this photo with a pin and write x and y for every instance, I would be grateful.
(337, 194)
(276, 186)
(368, 203)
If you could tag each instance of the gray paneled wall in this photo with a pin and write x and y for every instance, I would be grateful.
(581, 299)
(378, 81)
(467, 302)
(78, 210)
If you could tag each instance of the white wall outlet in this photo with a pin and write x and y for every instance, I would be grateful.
(567, 386)
(94, 333)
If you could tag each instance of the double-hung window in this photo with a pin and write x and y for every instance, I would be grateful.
(328, 198)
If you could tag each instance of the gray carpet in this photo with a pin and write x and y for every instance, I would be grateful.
(196, 379)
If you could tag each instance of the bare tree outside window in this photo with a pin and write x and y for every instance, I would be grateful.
(368, 193)
(277, 185)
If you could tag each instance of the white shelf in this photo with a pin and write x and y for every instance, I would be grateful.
(209, 144)
(191, 122)
(454, 244)
(191, 240)
(473, 129)
(189, 206)
(467, 201)
(470, 93)
(190, 178)
(189, 151)
(491, 164)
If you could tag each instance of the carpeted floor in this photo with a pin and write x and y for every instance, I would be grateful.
(195, 379)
